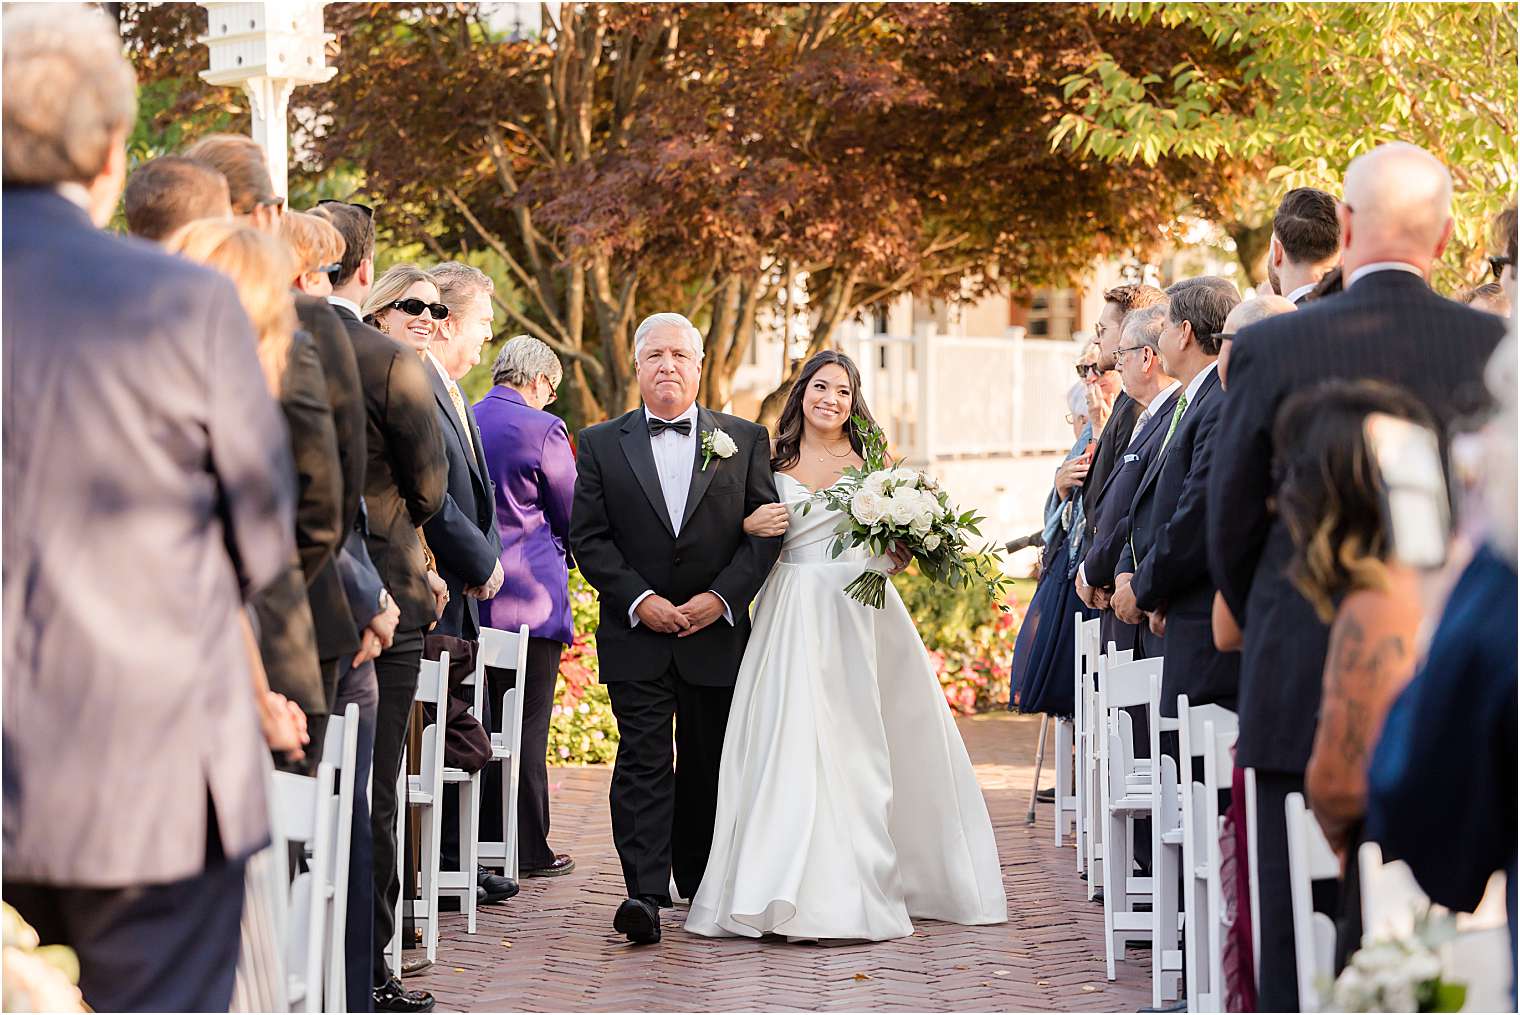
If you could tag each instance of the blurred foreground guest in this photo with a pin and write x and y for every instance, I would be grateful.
(240, 160)
(167, 192)
(134, 769)
(258, 266)
(527, 452)
(1388, 325)
(404, 480)
(1489, 296)
(1441, 787)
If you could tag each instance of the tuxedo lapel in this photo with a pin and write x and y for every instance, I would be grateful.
(466, 439)
(701, 478)
(640, 455)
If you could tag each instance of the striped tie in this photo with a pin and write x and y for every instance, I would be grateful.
(464, 419)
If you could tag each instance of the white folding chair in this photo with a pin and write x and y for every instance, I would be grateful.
(1166, 859)
(1126, 796)
(1085, 659)
(1310, 859)
(1253, 871)
(506, 650)
(460, 884)
(1092, 809)
(393, 950)
(307, 810)
(1202, 730)
(424, 791)
(342, 749)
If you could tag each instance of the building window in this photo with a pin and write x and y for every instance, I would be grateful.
(879, 320)
(1053, 314)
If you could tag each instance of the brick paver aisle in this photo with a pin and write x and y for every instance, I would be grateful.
(552, 948)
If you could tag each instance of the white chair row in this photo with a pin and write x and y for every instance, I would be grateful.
(311, 909)
(423, 791)
(1113, 788)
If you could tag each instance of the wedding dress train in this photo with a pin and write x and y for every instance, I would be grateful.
(847, 804)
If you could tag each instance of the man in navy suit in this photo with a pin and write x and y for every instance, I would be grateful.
(150, 493)
(1147, 382)
(1164, 583)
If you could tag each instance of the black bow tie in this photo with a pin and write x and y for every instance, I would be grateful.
(659, 426)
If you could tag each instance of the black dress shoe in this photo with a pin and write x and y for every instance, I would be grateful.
(496, 887)
(638, 920)
(394, 997)
(562, 865)
(1046, 796)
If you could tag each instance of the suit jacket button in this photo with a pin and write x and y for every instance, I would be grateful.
(677, 558)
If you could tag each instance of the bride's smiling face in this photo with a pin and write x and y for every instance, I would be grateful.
(828, 400)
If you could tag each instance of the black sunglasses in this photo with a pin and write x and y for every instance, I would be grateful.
(1498, 262)
(414, 308)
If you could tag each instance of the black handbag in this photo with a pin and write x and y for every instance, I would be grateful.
(466, 744)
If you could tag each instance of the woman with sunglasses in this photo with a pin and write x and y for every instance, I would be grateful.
(405, 304)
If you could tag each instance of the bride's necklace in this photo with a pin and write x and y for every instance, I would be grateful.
(823, 458)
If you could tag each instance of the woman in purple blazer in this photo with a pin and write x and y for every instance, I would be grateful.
(529, 458)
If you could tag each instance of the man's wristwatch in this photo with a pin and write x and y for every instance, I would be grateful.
(385, 599)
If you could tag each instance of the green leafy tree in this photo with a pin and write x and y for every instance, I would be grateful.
(1306, 88)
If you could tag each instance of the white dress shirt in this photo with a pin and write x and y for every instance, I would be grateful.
(675, 456)
(1197, 382)
(1301, 292)
(347, 304)
(1368, 269)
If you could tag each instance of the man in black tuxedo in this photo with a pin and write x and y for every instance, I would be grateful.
(1387, 325)
(1171, 581)
(405, 477)
(657, 528)
(1155, 394)
(1306, 243)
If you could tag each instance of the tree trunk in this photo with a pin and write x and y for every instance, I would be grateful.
(1251, 244)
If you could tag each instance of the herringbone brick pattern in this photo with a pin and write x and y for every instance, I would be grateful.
(552, 948)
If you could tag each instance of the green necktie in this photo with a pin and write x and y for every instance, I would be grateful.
(1176, 416)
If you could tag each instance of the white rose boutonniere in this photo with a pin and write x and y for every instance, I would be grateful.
(716, 444)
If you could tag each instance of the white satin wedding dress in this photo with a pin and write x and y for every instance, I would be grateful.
(847, 804)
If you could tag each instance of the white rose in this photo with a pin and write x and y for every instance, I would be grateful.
(931, 542)
(903, 507)
(723, 445)
(876, 482)
(909, 476)
(868, 507)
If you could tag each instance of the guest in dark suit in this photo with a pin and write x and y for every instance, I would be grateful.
(665, 547)
(149, 494)
(165, 193)
(1171, 580)
(404, 484)
(1306, 243)
(1114, 432)
(1389, 326)
(533, 472)
(258, 265)
(1155, 393)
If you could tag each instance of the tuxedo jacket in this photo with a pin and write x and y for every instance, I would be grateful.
(462, 535)
(1169, 559)
(405, 472)
(1111, 530)
(625, 544)
(1114, 438)
(1389, 326)
(337, 631)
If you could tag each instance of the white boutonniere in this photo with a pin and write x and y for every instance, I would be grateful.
(716, 444)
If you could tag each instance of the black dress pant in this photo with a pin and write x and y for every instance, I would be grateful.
(358, 686)
(664, 803)
(155, 947)
(533, 772)
(1277, 988)
(396, 679)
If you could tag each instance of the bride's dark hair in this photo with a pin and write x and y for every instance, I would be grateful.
(788, 448)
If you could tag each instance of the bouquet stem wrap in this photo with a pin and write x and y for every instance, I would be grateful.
(870, 588)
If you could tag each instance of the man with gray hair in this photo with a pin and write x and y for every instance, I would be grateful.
(1395, 221)
(151, 494)
(658, 530)
(1258, 308)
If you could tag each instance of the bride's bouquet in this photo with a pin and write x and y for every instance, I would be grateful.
(882, 504)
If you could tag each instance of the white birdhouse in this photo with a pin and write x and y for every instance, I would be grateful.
(280, 39)
(268, 49)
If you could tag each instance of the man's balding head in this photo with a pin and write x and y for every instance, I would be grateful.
(1397, 207)
(1258, 308)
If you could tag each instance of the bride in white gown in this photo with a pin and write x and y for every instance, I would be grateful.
(847, 804)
